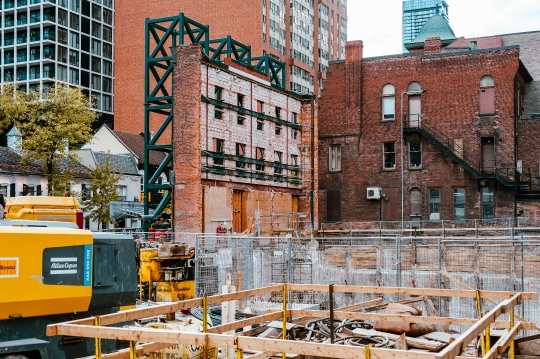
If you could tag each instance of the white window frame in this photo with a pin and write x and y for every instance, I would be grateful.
(334, 158)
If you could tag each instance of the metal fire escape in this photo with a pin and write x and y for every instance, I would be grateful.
(162, 37)
(508, 177)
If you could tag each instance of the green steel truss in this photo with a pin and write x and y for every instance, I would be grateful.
(162, 36)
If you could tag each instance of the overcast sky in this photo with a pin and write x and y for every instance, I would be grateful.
(378, 22)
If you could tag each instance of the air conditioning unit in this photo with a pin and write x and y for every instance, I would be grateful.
(374, 193)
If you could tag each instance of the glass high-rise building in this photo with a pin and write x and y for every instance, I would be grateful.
(416, 13)
(44, 41)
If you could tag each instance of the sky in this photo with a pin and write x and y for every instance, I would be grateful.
(378, 22)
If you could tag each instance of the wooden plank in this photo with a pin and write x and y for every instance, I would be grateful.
(384, 317)
(141, 350)
(412, 342)
(133, 314)
(380, 353)
(468, 336)
(224, 341)
(244, 323)
(369, 303)
(404, 301)
(504, 342)
(412, 291)
(458, 282)
(263, 355)
(433, 313)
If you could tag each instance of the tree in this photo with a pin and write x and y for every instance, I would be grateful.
(14, 105)
(103, 186)
(53, 126)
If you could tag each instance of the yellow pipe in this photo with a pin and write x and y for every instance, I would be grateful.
(367, 351)
(205, 323)
(480, 315)
(512, 349)
(284, 333)
(488, 337)
(97, 323)
(132, 350)
(239, 351)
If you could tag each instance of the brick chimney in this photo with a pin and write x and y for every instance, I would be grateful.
(354, 51)
(432, 45)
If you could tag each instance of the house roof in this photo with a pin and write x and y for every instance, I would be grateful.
(436, 26)
(10, 161)
(120, 163)
(486, 42)
(135, 143)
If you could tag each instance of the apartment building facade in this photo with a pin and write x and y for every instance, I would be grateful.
(44, 41)
(305, 34)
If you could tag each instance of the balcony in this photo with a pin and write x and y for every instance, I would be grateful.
(35, 17)
(22, 3)
(34, 76)
(9, 22)
(21, 76)
(22, 58)
(9, 60)
(9, 5)
(9, 42)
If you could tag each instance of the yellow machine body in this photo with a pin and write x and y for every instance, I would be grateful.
(150, 267)
(42, 208)
(44, 271)
(175, 291)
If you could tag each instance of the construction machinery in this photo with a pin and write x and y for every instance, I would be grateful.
(50, 274)
(45, 208)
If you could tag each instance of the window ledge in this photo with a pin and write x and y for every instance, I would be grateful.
(487, 114)
(388, 120)
(389, 169)
(415, 168)
(338, 171)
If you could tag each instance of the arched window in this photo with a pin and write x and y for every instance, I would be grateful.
(388, 103)
(414, 87)
(487, 95)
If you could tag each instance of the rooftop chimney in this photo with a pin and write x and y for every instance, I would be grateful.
(354, 51)
(432, 45)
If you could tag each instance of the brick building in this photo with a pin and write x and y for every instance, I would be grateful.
(305, 34)
(469, 146)
(240, 145)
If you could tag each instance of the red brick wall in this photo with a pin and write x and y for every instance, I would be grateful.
(187, 157)
(450, 106)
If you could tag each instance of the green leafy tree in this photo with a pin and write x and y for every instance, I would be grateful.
(14, 105)
(60, 122)
(103, 186)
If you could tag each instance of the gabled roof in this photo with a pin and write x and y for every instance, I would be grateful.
(10, 162)
(120, 163)
(436, 26)
(135, 143)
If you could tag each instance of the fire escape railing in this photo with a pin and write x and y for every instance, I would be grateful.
(509, 177)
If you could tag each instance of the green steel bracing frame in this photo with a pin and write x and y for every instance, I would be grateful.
(162, 36)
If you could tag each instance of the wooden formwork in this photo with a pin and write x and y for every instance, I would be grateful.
(160, 339)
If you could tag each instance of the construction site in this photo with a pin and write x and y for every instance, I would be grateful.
(248, 269)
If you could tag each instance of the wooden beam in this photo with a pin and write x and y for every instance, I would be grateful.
(458, 282)
(412, 291)
(504, 342)
(133, 314)
(468, 336)
(263, 355)
(246, 322)
(227, 341)
(369, 303)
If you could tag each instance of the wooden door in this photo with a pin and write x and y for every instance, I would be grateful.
(333, 206)
(239, 211)
(415, 111)
(488, 155)
(390, 204)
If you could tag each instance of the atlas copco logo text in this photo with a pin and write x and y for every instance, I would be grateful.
(64, 265)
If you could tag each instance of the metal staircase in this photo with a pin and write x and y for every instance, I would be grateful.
(508, 177)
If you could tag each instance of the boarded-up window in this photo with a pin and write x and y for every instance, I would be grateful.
(333, 206)
(416, 202)
(487, 95)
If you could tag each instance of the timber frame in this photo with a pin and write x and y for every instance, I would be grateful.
(160, 339)
(162, 37)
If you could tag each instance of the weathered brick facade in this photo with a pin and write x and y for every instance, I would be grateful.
(450, 117)
(219, 130)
